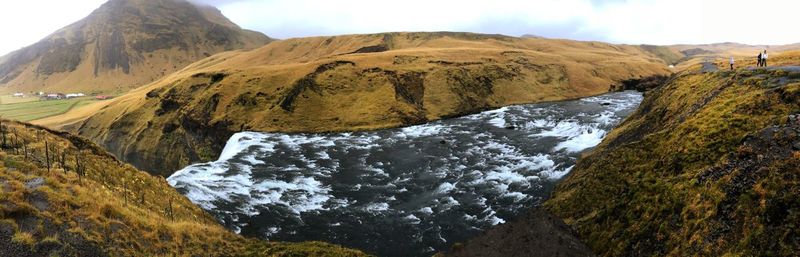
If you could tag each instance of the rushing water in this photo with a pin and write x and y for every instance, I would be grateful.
(400, 192)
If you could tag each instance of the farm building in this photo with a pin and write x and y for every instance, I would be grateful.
(55, 96)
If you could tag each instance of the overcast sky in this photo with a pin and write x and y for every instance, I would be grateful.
(616, 21)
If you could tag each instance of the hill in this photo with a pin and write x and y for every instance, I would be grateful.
(61, 195)
(121, 45)
(707, 166)
(345, 83)
(531, 36)
(669, 55)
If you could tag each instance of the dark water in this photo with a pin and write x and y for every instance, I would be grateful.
(400, 192)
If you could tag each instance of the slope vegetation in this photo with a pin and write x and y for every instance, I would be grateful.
(61, 195)
(123, 44)
(346, 83)
(708, 166)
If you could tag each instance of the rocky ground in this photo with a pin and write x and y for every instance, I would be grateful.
(536, 234)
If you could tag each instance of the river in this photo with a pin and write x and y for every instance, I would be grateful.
(400, 192)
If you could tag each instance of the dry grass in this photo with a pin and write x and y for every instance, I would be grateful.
(703, 168)
(411, 78)
(110, 207)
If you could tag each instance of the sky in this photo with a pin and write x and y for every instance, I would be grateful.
(617, 21)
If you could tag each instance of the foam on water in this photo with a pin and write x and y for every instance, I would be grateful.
(586, 139)
(400, 192)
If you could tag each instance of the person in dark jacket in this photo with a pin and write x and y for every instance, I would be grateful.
(759, 60)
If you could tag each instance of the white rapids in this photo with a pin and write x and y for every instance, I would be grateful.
(400, 192)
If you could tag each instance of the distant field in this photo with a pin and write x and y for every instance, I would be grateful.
(9, 99)
(33, 110)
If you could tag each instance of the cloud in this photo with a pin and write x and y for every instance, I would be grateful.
(215, 2)
(307, 18)
(26, 22)
(618, 21)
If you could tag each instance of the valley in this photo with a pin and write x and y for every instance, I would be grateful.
(325, 85)
(193, 136)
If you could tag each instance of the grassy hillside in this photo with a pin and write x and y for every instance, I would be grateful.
(669, 55)
(346, 83)
(722, 52)
(122, 45)
(708, 166)
(61, 195)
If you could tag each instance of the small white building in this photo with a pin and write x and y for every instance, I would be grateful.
(75, 95)
(55, 96)
(19, 95)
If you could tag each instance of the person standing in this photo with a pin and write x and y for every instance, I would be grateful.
(732, 61)
(759, 60)
(764, 58)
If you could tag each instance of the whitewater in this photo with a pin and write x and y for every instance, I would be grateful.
(401, 192)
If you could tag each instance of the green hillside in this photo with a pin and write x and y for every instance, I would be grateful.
(708, 166)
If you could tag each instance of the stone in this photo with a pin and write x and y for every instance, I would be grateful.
(34, 183)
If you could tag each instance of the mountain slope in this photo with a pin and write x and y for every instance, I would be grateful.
(87, 203)
(668, 54)
(346, 83)
(708, 166)
(123, 44)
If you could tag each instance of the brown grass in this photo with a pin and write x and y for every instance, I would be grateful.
(420, 77)
(703, 168)
(113, 207)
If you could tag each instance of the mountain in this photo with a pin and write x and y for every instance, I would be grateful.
(709, 165)
(345, 83)
(122, 45)
(62, 195)
(532, 36)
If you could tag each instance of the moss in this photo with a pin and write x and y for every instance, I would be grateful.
(704, 167)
